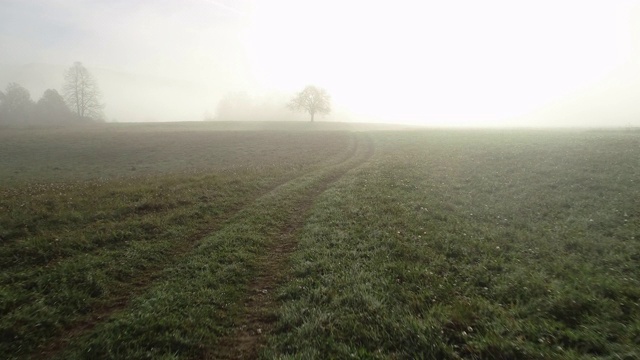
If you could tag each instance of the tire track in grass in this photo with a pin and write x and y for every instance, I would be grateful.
(196, 309)
(258, 316)
(136, 286)
(141, 283)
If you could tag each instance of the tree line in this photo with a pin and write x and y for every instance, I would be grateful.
(78, 103)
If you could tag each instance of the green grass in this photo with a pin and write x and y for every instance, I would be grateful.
(136, 150)
(71, 250)
(442, 244)
(207, 287)
(472, 245)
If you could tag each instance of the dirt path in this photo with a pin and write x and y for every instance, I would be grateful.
(138, 285)
(258, 317)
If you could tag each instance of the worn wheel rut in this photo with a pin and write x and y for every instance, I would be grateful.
(258, 317)
(141, 283)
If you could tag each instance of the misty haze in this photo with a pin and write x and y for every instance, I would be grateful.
(241, 179)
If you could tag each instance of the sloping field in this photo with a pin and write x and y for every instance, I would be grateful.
(196, 241)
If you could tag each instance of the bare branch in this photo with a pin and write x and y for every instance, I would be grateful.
(81, 93)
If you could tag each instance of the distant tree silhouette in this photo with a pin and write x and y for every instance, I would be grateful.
(51, 109)
(16, 106)
(312, 100)
(82, 94)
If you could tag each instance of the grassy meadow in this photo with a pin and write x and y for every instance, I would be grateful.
(289, 241)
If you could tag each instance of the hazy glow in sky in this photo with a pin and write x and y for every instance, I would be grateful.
(448, 61)
(435, 62)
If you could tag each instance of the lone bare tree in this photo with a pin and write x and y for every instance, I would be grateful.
(312, 100)
(81, 93)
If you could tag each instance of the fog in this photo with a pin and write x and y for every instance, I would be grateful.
(456, 63)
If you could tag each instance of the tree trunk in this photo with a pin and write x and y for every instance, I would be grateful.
(312, 114)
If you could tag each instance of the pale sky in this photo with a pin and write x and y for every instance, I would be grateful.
(477, 63)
